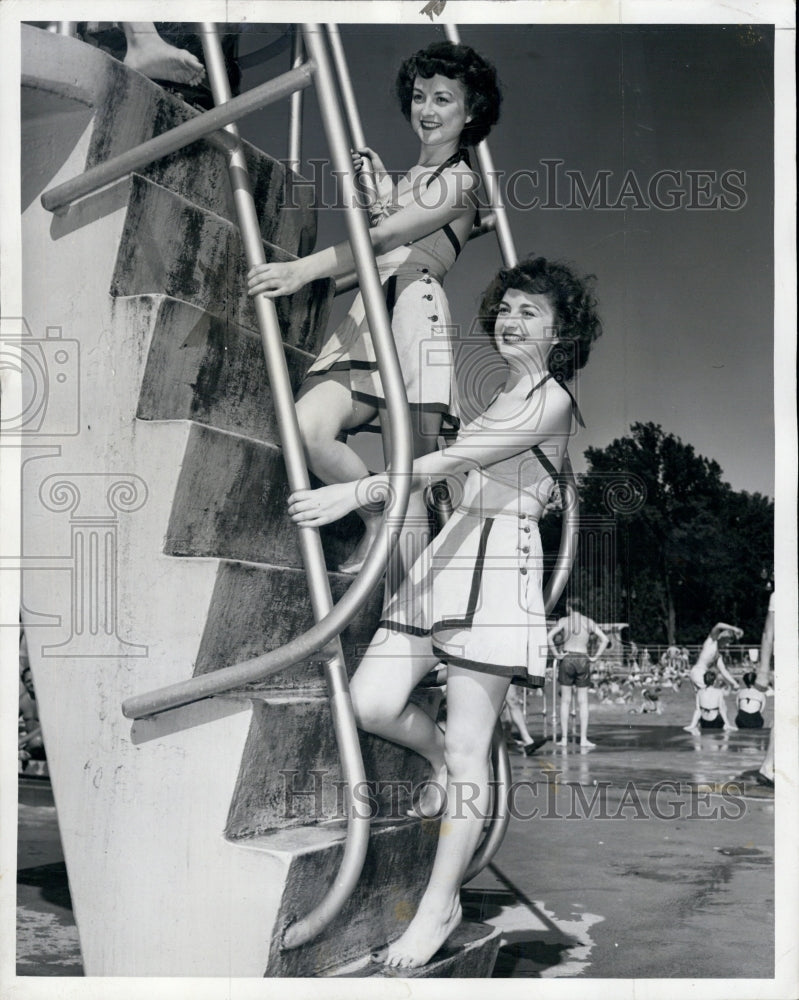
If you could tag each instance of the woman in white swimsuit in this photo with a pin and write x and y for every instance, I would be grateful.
(474, 599)
(450, 96)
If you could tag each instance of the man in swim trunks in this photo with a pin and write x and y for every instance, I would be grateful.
(569, 641)
(710, 656)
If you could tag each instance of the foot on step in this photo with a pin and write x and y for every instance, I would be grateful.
(426, 933)
(159, 60)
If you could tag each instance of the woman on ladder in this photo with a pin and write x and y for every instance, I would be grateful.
(474, 599)
(450, 96)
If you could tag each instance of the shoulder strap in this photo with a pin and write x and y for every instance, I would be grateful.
(575, 409)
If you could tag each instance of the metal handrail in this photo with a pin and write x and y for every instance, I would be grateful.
(203, 126)
(295, 106)
(500, 813)
(486, 166)
(367, 174)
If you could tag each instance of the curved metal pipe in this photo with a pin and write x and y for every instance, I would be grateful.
(336, 620)
(500, 813)
(569, 536)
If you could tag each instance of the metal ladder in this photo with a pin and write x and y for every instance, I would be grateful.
(217, 127)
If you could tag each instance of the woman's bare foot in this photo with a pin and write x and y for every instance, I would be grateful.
(426, 933)
(587, 743)
(563, 743)
(432, 801)
(355, 562)
(149, 54)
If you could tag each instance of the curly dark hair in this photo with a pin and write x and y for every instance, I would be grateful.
(571, 298)
(456, 62)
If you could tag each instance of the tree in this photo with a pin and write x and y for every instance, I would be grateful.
(690, 550)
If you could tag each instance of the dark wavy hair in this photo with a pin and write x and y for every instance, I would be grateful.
(456, 62)
(572, 301)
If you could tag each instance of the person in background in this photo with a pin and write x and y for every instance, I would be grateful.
(569, 641)
(751, 703)
(710, 656)
(710, 711)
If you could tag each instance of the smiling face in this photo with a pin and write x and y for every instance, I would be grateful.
(438, 111)
(525, 327)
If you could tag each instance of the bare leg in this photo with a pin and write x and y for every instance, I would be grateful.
(380, 688)
(565, 708)
(517, 717)
(582, 704)
(474, 701)
(323, 413)
(151, 55)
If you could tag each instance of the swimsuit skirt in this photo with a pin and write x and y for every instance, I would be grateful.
(476, 590)
(418, 310)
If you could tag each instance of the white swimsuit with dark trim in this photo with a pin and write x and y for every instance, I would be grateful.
(411, 276)
(477, 589)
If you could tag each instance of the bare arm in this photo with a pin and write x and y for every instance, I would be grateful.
(721, 627)
(475, 449)
(551, 634)
(447, 198)
(604, 640)
(725, 673)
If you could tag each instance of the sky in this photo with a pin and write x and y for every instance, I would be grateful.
(685, 292)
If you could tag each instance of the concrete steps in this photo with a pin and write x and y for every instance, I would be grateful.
(384, 900)
(256, 608)
(290, 774)
(172, 247)
(469, 953)
(124, 109)
(240, 511)
(202, 368)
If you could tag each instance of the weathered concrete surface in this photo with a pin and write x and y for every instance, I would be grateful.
(239, 512)
(382, 905)
(143, 807)
(204, 369)
(126, 108)
(255, 609)
(290, 775)
(172, 247)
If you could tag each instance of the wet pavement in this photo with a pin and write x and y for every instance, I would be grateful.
(640, 858)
